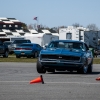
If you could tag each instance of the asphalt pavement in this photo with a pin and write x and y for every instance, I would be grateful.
(15, 84)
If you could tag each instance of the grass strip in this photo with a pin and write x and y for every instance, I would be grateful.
(24, 59)
(13, 59)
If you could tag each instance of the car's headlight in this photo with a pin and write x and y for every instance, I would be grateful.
(83, 59)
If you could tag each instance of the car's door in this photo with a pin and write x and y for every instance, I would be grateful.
(38, 48)
(2, 48)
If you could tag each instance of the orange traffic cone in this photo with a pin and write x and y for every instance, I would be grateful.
(37, 80)
(98, 79)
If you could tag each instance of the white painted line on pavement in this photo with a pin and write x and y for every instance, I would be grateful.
(74, 82)
(51, 82)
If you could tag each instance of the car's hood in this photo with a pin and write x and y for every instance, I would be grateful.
(61, 51)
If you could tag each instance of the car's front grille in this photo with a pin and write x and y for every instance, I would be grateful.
(61, 57)
(50, 56)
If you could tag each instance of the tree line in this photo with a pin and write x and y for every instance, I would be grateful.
(35, 26)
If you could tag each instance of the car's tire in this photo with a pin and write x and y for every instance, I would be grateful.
(28, 56)
(51, 70)
(90, 67)
(17, 56)
(35, 55)
(40, 68)
(6, 54)
(84, 69)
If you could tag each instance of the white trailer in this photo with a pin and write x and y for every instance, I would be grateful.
(55, 36)
(5, 37)
(72, 33)
(41, 38)
(16, 38)
(81, 34)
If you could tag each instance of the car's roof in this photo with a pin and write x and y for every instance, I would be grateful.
(29, 43)
(68, 41)
(21, 39)
(8, 41)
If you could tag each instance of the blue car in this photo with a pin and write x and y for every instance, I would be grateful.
(65, 55)
(27, 50)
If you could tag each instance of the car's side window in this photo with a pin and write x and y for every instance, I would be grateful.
(37, 46)
(84, 47)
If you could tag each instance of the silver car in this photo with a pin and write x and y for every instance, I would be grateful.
(8, 43)
(14, 44)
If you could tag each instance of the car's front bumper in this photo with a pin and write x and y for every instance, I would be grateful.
(62, 65)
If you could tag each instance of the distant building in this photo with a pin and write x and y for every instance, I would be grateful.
(10, 23)
(12, 28)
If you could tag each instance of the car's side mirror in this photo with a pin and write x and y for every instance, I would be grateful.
(45, 46)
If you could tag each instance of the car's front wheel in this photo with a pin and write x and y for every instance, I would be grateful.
(35, 55)
(6, 54)
(90, 68)
(17, 56)
(83, 69)
(40, 68)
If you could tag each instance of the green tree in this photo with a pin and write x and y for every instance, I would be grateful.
(24, 26)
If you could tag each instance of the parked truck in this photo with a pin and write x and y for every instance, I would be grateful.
(4, 50)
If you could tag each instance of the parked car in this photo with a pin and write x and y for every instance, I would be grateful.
(4, 50)
(27, 50)
(62, 55)
(8, 43)
(15, 43)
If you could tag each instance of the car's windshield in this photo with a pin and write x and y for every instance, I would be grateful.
(7, 43)
(21, 41)
(1, 43)
(66, 45)
(28, 45)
